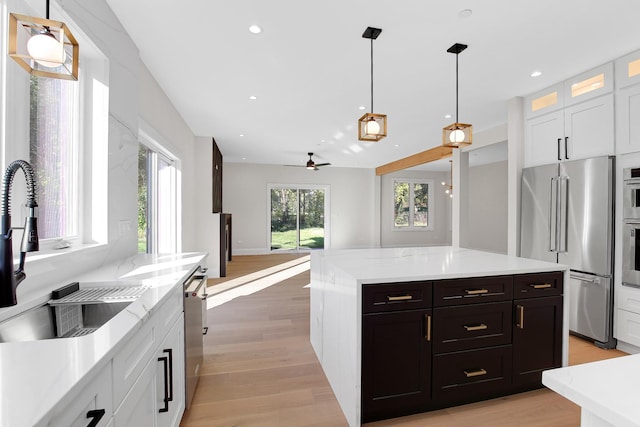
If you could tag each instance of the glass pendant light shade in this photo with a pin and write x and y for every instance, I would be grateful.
(43, 47)
(457, 134)
(46, 50)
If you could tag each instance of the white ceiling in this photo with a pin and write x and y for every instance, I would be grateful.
(309, 68)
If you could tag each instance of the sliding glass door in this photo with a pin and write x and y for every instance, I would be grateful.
(297, 217)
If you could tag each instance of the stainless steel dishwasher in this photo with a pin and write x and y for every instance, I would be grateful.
(195, 327)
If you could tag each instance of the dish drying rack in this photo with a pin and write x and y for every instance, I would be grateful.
(68, 308)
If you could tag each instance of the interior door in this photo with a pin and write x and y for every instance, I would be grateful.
(538, 224)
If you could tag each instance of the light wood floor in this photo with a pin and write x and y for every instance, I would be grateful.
(260, 369)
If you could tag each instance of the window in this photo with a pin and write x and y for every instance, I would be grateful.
(157, 195)
(297, 217)
(53, 153)
(412, 204)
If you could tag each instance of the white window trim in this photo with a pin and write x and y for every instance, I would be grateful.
(150, 138)
(431, 212)
(327, 211)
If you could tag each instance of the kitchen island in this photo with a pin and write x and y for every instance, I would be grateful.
(388, 324)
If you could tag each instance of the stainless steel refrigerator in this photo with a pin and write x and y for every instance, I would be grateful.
(567, 216)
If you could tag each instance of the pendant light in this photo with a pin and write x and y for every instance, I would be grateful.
(449, 186)
(457, 134)
(43, 47)
(372, 127)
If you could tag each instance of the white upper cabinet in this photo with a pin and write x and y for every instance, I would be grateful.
(571, 120)
(544, 101)
(628, 103)
(628, 70)
(588, 85)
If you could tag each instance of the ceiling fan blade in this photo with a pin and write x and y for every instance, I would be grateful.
(295, 166)
(323, 164)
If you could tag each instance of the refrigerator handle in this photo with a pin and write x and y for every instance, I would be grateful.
(563, 213)
(553, 237)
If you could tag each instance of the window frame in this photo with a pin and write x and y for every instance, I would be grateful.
(160, 150)
(327, 214)
(430, 204)
(91, 121)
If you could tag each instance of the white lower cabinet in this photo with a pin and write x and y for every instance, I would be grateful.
(91, 407)
(170, 377)
(139, 406)
(156, 398)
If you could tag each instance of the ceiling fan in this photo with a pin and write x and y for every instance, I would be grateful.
(311, 165)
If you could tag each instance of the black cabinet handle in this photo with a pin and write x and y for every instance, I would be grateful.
(205, 330)
(95, 415)
(165, 361)
(559, 156)
(566, 152)
(170, 352)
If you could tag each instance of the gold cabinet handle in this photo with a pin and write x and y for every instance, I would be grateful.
(540, 285)
(475, 373)
(479, 327)
(476, 291)
(400, 298)
(427, 319)
(520, 323)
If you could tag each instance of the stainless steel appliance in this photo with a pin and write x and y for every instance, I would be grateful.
(631, 228)
(195, 324)
(567, 217)
(631, 193)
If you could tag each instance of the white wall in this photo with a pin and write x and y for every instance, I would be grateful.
(440, 235)
(244, 195)
(487, 219)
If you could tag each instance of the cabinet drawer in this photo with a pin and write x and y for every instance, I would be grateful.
(467, 327)
(396, 296)
(472, 291)
(537, 285)
(471, 375)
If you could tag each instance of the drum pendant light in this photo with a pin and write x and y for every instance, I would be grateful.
(457, 134)
(43, 47)
(371, 126)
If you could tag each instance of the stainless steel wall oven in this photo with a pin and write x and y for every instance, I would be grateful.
(631, 228)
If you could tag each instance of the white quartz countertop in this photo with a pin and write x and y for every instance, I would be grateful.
(35, 375)
(386, 265)
(608, 388)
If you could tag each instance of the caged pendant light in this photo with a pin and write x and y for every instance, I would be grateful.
(43, 47)
(457, 134)
(371, 126)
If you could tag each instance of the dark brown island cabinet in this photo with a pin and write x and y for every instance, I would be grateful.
(434, 344)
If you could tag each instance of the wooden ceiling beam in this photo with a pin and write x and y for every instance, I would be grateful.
(433, 154)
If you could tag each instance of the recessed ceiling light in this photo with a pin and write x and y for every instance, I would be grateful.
(255, 29)
(361, 107)
(447, 116)
(536, 73)
(396, 145)
(244, 158)
(242, 134)
(465, 13)
(253, 98)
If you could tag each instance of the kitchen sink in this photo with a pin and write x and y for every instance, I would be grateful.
(42, 322)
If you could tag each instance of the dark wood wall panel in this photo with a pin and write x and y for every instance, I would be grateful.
(217, 178)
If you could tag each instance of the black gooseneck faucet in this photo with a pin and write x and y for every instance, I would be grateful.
(9, 280)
